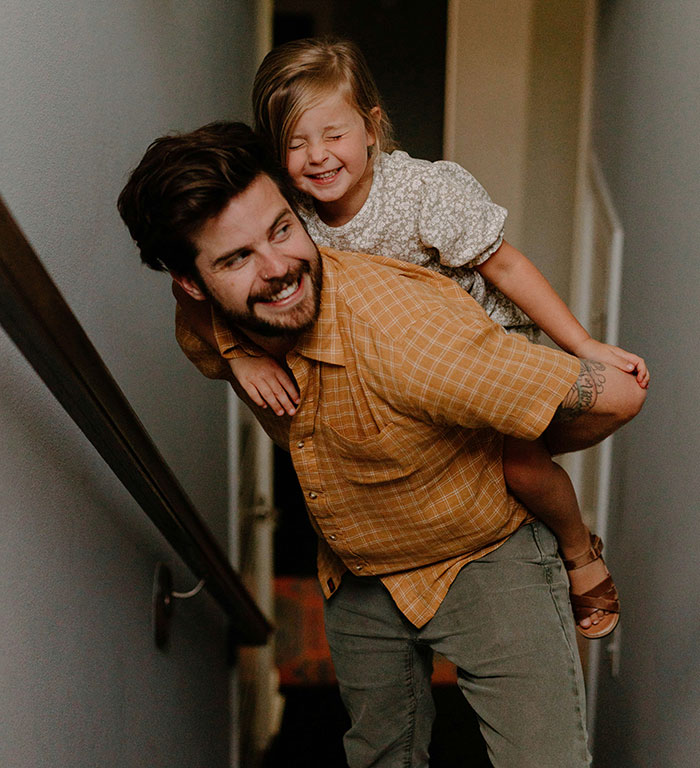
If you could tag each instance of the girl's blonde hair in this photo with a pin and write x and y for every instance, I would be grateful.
(294, 77)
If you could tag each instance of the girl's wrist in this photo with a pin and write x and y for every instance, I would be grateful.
(578, 347)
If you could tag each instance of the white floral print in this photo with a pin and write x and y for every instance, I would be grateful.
(435, 214)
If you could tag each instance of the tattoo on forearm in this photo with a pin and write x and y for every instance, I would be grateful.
(583, 394)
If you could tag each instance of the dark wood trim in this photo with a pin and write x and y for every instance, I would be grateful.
(46, 331)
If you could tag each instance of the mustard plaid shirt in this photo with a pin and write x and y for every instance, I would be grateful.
(406, 387)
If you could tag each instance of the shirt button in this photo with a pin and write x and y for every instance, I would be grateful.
(332, 537)
(358, 567)
(300, 444)
(313, 495)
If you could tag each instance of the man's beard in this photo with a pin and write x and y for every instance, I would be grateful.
(301, 318)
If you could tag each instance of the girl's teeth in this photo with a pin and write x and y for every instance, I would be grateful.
(326, 175)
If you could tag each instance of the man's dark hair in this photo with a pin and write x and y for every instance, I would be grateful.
(186, 179)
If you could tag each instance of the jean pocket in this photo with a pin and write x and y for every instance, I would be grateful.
(545, 541)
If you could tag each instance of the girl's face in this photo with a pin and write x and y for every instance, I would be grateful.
(327, 156)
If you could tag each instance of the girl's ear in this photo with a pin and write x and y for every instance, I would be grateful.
(375, 115)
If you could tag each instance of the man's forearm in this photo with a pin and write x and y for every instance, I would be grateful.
(600, 401)
(584, 392)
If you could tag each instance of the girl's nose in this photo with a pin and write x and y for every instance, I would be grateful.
(317, 152)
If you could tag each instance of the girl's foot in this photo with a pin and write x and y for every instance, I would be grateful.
(594, 598)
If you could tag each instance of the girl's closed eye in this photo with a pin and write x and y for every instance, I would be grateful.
(333, 165)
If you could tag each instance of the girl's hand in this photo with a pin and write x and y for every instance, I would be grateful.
(620, 358)
(266, 383)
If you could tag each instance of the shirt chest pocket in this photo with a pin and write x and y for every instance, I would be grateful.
(394, 453)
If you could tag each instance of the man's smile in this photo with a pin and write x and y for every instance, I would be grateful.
(283, 294)
(282, 291)
(258, 266)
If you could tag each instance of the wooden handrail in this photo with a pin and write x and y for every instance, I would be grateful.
(42, 325)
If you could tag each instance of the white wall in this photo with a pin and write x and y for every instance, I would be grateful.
(647, 136)
(85, 85)
(553, 128)
(512, 116)
(488, 74)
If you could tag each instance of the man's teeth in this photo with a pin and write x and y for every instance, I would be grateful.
(285, 292)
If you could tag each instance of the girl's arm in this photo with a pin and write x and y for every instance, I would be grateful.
(520, 280)
(262, 378)
(266, 383)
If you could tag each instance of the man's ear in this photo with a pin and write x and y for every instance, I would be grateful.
(188, 285)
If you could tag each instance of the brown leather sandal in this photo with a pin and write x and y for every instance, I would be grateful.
(603, 597)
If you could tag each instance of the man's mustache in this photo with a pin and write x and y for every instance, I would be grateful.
(276, 284)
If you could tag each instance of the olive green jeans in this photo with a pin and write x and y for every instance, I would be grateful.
(507, 625)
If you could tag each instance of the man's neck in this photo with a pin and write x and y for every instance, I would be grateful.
(275, 346)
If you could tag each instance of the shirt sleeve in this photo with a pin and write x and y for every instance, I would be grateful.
(197, 350)
(484, 377)
(214, 366)
(452, 365)
(457, 216)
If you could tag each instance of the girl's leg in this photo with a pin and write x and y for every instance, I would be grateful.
(546, 490)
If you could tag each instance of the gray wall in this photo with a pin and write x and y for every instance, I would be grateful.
(648, 138)
(85, 85)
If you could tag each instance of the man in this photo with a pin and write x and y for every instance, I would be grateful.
(405, 387)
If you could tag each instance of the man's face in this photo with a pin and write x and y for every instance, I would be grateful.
(258, 265)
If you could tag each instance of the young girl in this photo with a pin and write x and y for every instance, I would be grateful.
(317, 104)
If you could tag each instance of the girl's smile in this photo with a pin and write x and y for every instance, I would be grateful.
(328, 158)
(326, 177)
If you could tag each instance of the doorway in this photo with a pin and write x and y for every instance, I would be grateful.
(405, 47)
(518, 120)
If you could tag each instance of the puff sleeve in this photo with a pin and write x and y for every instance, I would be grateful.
(457, 217)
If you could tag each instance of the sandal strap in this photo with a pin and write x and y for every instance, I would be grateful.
(584, 606)
(592, 553)
(603, 597)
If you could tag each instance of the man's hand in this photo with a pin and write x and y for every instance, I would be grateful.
(266, 383)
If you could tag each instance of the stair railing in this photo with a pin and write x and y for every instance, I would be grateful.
(42, 325)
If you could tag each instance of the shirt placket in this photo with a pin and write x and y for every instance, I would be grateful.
(303, 449)
(301, 435)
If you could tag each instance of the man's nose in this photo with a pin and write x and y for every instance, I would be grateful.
(272, 265)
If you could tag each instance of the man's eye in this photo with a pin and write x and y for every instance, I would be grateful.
(235, 261)
(282, 231)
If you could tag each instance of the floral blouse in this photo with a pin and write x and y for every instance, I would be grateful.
(434, 214)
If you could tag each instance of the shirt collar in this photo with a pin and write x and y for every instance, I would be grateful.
(321, 342)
